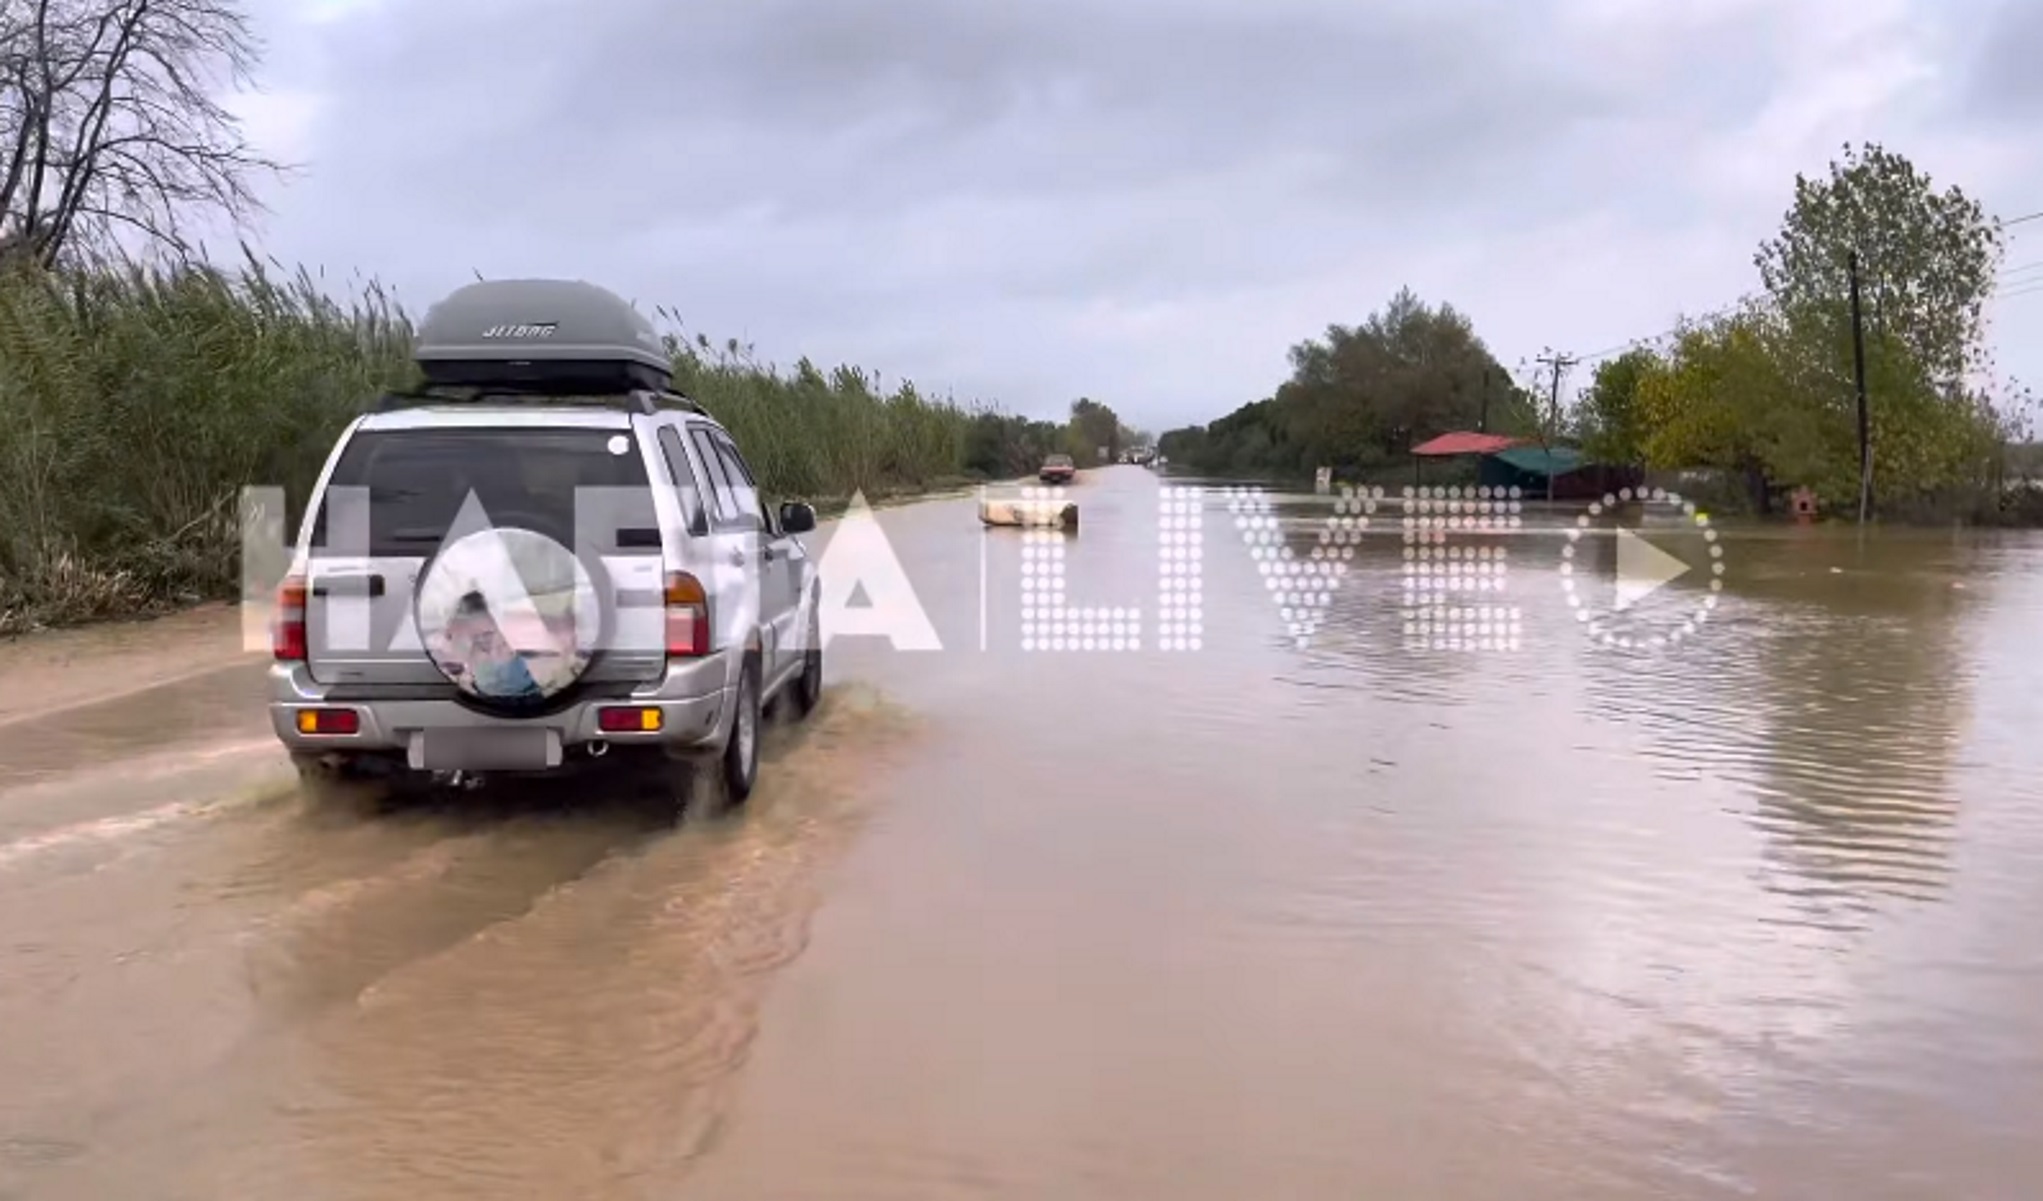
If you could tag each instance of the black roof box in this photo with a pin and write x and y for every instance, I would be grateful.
(541, 335)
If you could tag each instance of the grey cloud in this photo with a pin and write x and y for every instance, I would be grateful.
(830, 108)
(2007, 82)
(954, 189)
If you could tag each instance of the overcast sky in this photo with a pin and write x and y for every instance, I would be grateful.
(1142, 201)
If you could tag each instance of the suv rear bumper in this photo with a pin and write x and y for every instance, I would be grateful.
(693, 699)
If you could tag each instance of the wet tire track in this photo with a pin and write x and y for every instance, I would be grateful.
(505, 999)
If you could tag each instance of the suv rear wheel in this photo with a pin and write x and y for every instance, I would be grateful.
(740, 761)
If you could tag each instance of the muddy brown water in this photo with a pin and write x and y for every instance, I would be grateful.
(1755, 914)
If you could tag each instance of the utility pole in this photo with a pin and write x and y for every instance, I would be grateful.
(1559, 363)
(1483, 415)
(1858, 366)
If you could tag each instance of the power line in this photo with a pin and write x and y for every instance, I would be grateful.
(1639, 343)
(2009, 287)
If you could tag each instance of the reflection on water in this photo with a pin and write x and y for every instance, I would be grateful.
(1559, 921)
(1838, 705)
(1834, 699)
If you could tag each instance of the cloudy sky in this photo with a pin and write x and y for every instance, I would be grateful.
(1143, 201)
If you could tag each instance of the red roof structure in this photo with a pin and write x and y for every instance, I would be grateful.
(1464, 442)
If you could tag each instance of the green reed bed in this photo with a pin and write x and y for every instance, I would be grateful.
(136, 403)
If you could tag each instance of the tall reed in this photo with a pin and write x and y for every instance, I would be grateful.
(136, 402)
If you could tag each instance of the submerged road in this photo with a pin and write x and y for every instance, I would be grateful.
(1756, 913)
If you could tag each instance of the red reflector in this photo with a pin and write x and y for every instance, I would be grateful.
(623, 720)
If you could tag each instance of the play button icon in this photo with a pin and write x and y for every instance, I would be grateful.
(1642, 569)
(1621, 554)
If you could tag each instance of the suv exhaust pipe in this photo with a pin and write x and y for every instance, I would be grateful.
(598, 748)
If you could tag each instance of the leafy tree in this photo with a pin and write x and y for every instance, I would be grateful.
(1611, 426)
(1092, 426)
(1718, 399)
(1927, 259)
(1766, 391)
(1002, 446)
(1187, 446)
(1362, 397)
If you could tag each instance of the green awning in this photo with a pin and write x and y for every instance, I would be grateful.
(1534, 461)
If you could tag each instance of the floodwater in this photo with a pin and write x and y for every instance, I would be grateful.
(1757, 912)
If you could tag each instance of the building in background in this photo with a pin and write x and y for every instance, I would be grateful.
(1540, 472)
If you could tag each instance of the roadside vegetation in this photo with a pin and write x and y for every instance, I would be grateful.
(1759, 397)
(136, 403)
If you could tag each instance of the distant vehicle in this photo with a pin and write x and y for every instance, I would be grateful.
(611, 487)
(1058, 469)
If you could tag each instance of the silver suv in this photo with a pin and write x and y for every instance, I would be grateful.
(543, 556)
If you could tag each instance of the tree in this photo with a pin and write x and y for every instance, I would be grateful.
(1766, 392)
(1092, 426)
(1408, 372)
(1360, 398)
(1611, 426)
(108, 124)
(1002, 446)
(1927, 259)
(1187, 445)
(1737, 392)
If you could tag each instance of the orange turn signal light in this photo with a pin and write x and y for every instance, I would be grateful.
(329, 721)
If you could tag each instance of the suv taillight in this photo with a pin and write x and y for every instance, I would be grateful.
(687, 616)
(287, 634)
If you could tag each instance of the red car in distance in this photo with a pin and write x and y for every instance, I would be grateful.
(1058, 469)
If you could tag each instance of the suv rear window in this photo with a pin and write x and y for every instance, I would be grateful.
(419, 479)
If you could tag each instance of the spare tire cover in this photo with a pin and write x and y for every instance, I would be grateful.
(511, 617)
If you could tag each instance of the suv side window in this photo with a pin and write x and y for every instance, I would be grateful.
(729, 512)
(742, 484)
(684, 479)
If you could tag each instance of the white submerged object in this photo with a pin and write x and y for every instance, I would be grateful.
(1038, 514)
